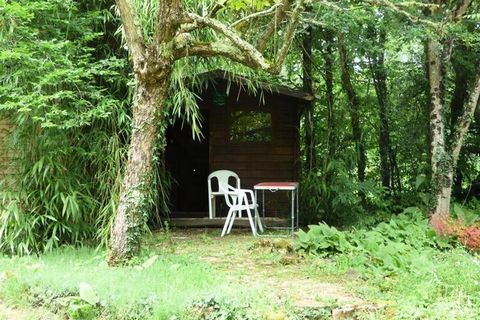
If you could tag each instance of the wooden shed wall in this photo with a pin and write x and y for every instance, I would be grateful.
(256, 161)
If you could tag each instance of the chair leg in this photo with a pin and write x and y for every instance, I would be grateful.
(252, 225)
(210, 212)
(227, 222)
(259, 221)
(231, 221)
(214, 207)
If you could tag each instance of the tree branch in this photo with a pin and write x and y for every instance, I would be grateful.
(168, 18)
(217, 6)
(397, 9)
(280, 13)
(463, 124)
(460, 9)
(457, 14)
(256, 15)
(235, 47)
(243, 46)
(213, 49)
(133, 35)
(288, 37)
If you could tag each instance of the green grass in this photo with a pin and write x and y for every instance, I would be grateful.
(193, 268)
(169, 285)
(445, 287)
(246, 281)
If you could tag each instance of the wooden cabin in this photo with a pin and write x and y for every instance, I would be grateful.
(254, 135)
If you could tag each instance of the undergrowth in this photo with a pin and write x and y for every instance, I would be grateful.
(406, 266)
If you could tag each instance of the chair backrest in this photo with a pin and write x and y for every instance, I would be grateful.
(231, 195)
(222, 177)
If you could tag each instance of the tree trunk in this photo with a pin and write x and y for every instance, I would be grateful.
(444, 160)
(460, 95)
(329, 101)
(441, 161)
(354, 102)
(379, 76)
(134, 202)
(310, 155)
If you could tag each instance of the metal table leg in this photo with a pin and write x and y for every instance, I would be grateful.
(297, 209)
(293, 211)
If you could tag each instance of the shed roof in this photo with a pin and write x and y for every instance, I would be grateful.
(272, 88)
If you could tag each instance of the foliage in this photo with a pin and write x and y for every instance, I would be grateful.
(322, 239)
(470, 238)
(406, 266)
(211, 309)
(338, 201)
(387, 248)
(67, 97)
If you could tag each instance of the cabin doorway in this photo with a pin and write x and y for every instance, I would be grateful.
(187, 160)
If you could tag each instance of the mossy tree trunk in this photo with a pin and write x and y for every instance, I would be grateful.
(331, 140)
(376, 61)
(133, 207)
(445, 154)
(152, 66)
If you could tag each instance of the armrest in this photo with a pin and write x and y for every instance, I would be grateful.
(243, 192)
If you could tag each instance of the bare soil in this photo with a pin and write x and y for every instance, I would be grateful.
(260, 262)
(10, 313)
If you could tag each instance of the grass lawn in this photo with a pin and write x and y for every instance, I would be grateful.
(196, 274)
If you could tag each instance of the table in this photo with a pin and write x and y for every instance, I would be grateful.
(280, 186)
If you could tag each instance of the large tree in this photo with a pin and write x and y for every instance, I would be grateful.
(445, 153)
(177, 32)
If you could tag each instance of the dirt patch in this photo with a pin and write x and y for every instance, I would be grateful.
(261, 262)
(308, 293)
(9, 313)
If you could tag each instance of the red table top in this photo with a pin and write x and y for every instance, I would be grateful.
(276, 185)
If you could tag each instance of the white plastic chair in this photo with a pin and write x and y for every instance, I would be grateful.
(237, 200)
(222, 177)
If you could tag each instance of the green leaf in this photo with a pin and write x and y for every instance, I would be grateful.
(419, 181)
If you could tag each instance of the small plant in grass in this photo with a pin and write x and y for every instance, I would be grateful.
(213, 309)
(78, 309)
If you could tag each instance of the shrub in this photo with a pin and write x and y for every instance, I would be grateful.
(68, 107)
(462, 224)
(398, 243)
(445, 226)
(323, 240)
(470, 238)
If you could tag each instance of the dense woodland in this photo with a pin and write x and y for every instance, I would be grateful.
(395, 122)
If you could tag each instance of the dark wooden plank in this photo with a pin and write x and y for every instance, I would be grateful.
(220, 222)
